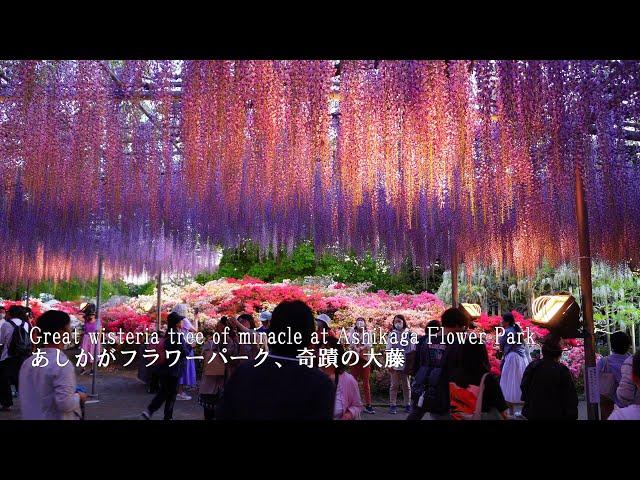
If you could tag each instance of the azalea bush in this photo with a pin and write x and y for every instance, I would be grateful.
(343, 302)
(573, 349)
(127, 319)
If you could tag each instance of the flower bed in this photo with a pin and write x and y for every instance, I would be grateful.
(343, 302)
(124, 317)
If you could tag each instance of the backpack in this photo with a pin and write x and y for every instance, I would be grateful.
(607, 382)
(161, 350)
(20, 344)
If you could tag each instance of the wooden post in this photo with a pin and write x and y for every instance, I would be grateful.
(159, 300)
(591, 377)
(454, 278)
(98, 328)
(606, 309)
(26, 302)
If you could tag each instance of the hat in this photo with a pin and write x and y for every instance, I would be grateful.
(265, 316)
(324, 318)
(88, 309)
(181, 309)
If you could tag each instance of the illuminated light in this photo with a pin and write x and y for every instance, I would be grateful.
(471, 312)
(472, 309)
(547, 306)
(559, 314)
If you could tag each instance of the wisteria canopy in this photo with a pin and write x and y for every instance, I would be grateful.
(153, 163)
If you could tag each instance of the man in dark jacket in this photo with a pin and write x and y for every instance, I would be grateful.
(278, 387)
(452, 321)
(169, 372)
(548, 390)
(428, 393)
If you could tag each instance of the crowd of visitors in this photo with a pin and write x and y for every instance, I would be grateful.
(442, 381)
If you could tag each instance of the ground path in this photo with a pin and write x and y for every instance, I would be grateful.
(121, 396)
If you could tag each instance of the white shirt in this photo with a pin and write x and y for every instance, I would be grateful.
(49, 392)
(632, 412)
(6, 334)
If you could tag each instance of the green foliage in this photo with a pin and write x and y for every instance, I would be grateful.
(495, 292)
(143, 289)
(74, 290)
(303, 261)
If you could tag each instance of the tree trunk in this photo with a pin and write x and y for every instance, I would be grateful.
(608, 328)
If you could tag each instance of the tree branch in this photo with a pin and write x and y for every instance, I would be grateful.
(142, 108)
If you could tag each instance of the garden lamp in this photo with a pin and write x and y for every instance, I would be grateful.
(559, 314)
(472, 309)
